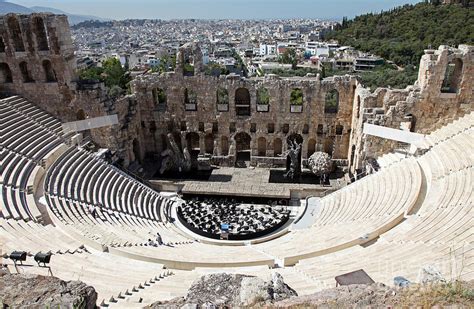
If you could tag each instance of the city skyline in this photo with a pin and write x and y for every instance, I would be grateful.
(217, 9)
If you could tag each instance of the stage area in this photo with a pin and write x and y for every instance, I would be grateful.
(228, 181)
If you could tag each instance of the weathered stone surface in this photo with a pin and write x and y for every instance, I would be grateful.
(230, 290)
(32, 291)
(430, 274)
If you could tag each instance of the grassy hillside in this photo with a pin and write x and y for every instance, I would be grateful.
(401, 34)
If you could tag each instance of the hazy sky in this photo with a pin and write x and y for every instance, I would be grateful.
(247, 9)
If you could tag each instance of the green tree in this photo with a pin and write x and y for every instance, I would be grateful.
(289, 57)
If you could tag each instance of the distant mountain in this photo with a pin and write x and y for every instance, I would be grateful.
(8, 7)
(73, 18)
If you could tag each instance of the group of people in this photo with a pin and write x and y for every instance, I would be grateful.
(241, 219)
(157, 242)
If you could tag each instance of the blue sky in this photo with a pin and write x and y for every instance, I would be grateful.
(247, 9)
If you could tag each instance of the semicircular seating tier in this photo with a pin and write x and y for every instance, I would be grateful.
(413, 212)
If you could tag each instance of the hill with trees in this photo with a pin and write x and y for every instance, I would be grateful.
(402, 34)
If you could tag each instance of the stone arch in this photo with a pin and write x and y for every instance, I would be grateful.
(50, 75)
(136, 150)
(242, 141)
(224, 145)
(2, 45)
(159, 96)
(209, 143)
(192, 141)
(15, 33)
(39, 30)
(262, 146)
(331, 102)
(311, 147)
(452, 76)
(5, 74)
(80, 115)
(242, 102)
(277, 147)
(358, 107)
(25, 73)
(190, 100)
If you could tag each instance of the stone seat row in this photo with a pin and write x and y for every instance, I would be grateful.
(32, 112)
(390, 191)
(82, 176)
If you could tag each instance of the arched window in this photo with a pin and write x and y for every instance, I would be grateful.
(222, 96)
(5, 73)
(242, 102)
(296, 97)
(222, 99)
(159, 96)
(50, 75)
(40, 32)
(277, 147)
(262, 146)
(209, 143)
(192, 141)
(331, 105)
(311, 147)
(358, 107)
(15, 33)
(136, 150)
(224, 145)
(25, 73)
(190, 100)
(263, 99)
(2, 45)
(339, 129)
(452, 76)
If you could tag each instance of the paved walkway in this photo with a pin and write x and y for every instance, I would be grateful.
(311, 213)
(243, 182)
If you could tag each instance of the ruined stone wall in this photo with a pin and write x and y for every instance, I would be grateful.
(435, 100)
(213, 122)
(37, 60)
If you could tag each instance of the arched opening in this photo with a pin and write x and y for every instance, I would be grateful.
(80, 115)
(412, 122)
(25, 73)
(50, 75)
(311, 147)
(262, 147)
(242, 102)
(209, 143)
(331, 105)
(339, 129)
(296, 97)
(190, 100)
(242, 143)
(5, 74)
(358, 107)
(192, 141)
(353, 149)
(222, 96)
(188, 63)
(224, 145)
(2, 45)
(452, 76)
(159, 97)
(277, 147)
(263, 100)
(15, 34)
(164, 142)
(40, 32)
(136, 150)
